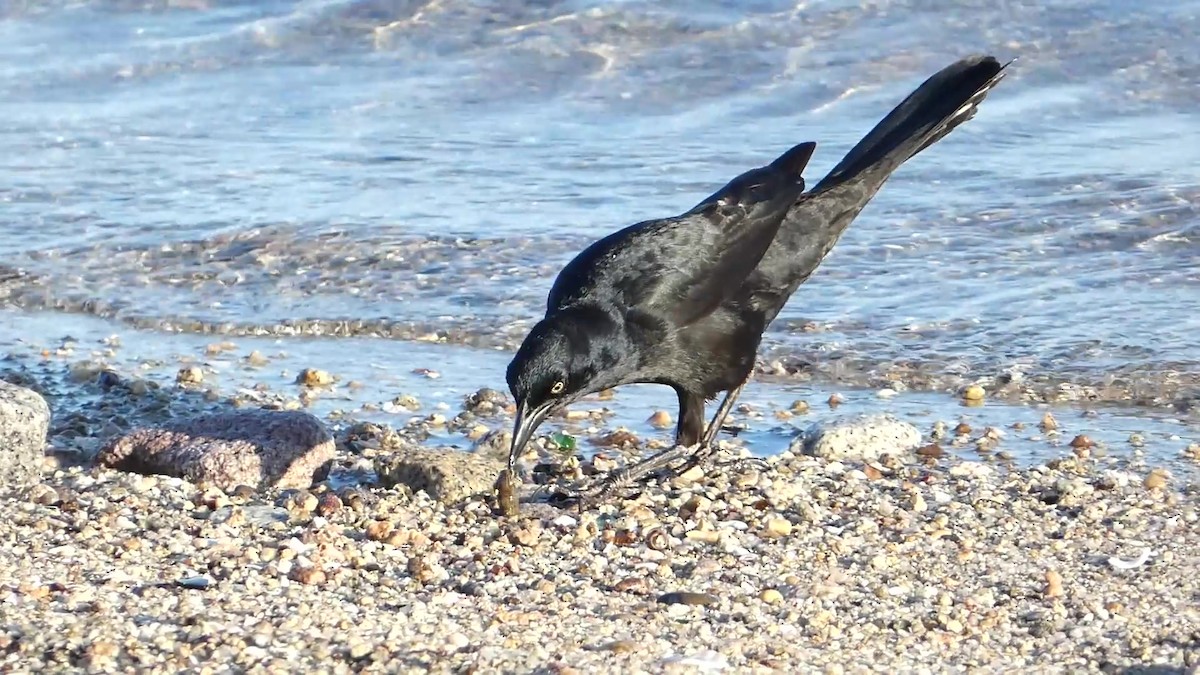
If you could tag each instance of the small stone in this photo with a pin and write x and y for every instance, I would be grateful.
(632, 585)
(189, 375)
(101, 653)
(359, 649)
(485, 401)
(690, 476)
(778, 527)
(328, 504)
(1155, 480)
(661, 419)
(835, 399)
(256, 359)
(528, 535)
(398, 538)
(407, 401)
(962, 429)
(1054, 584)
(618, 438)
(312, 377)
(214, 498)
(602, 463)
(771, 596)
(974, 393)
(304, 502)
(932, 451)
(695, 504)
(1081, 441)
(1048, 423)
(799, 407)
(427, 373)
(688, 598)
(917, 505)
(218, 348)
(378, 530)
(619, 646)
(310, 576)
(44, 494)
(197, 583)
(705, 536)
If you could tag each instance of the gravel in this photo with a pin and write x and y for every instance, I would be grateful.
(895, 561)
(810, 565)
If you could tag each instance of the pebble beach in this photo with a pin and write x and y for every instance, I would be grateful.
(900, 561)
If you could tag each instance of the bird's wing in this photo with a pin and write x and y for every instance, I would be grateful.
(682, 268)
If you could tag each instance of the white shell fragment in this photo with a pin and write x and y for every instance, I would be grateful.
(1137, 562)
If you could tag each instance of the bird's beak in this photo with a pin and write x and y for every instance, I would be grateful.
(527, 423)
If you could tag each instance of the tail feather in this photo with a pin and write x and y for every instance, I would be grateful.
(942, 103)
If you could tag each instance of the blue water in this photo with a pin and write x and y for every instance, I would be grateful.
(225, 167)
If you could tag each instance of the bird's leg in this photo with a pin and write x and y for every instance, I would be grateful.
(687, 433)
(704, 454)
(718, 420)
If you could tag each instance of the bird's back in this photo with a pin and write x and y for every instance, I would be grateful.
(679, 269)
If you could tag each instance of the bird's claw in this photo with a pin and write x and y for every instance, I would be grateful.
(708, 463)
(663, 466)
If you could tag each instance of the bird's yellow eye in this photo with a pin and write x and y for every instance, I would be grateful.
(558, 387)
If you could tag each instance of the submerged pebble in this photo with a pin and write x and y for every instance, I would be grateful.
(313, 377)
(974, 393)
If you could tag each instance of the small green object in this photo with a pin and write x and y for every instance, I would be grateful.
(563, 442)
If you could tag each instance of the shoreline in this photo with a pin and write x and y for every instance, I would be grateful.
(934, 562)
(791, 354)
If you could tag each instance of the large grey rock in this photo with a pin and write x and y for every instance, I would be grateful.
(24, 423)
(862, 438)
(260, 448)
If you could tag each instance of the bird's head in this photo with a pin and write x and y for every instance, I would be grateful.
(564, 358)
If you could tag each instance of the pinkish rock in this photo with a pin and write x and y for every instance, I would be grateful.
(265, 448)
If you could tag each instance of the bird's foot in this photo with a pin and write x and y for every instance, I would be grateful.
(669, 464)
(706, 460)
(630, 476)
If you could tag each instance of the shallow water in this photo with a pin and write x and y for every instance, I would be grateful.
(372, 374)
(391, 168)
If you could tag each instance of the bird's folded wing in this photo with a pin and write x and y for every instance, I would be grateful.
(682, 268)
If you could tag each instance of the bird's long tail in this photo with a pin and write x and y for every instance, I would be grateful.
(943, 102)
(817, 220)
